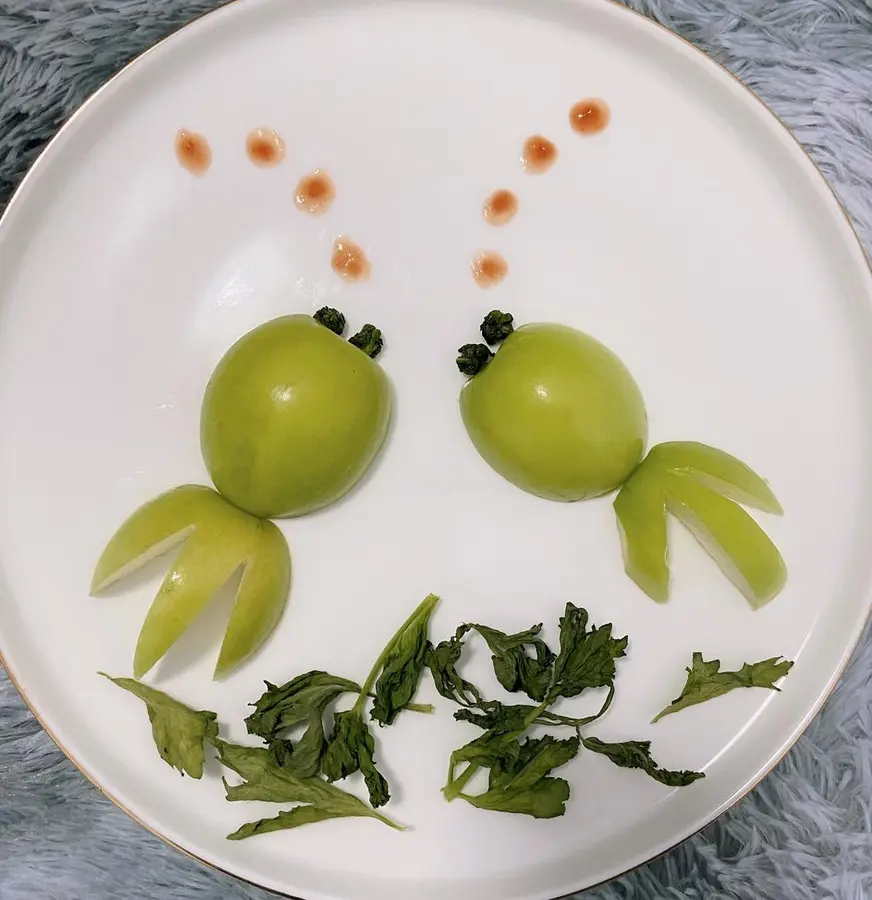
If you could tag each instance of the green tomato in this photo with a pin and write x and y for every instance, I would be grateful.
(292, 418)
(556, 413)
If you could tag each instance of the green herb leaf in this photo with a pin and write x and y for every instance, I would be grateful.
(586, 658)
(493, 748)
(282, 752)
(289, 818)
(266, 781)
(330, 318)
(497, 717)
(179, 732)
(369, 340)
(492, 714)
(705, 680)
(402, 664)
(472, 358)
(515, 668)
(291, 704)
(535, 759)
(545, 800)
(306, 758)
(442, 661)
(519, 781)
(497, 326)
(637, 755)
(351, 748)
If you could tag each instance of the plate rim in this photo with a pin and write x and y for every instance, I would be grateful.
(851, 237)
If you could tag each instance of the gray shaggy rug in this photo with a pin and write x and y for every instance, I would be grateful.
(806, 833)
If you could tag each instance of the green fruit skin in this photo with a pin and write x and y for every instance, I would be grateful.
(720, 471)
(215, 539)
(732, 538)
(292, 418)
(702, 487)
(640, 508)
(556, 413)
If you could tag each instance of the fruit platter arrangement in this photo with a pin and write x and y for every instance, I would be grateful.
(421, 475)
(291, 420)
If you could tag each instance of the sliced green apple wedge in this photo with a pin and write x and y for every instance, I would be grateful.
(720, 471)
(260, 599)
(218, 539)
(732, 538)
(641, 510)
(702, 487)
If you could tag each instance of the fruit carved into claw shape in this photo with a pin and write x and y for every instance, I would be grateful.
(215, 539)
(558, 414)
(699, 485)
(292, 418)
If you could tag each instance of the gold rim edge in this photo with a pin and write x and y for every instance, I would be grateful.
(93, 99)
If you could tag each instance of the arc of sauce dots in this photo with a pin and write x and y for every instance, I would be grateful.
(587, 117)
(315, 192)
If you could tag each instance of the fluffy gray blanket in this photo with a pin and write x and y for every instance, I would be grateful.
(806, 833)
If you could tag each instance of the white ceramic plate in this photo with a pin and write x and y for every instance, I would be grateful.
(693, 237)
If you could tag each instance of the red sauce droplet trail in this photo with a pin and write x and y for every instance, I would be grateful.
(500, 207)
(539, 154)
(315, 193)
(489, 268)
(590, 116)
(193, 152)
(264, 147)
(349, 260)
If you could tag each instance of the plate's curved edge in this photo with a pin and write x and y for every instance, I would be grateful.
(114, 800)
(849, 230)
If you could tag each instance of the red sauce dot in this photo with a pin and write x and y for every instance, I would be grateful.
(349, 260)
(500, 207)
(264, 147)
(590, 116)
(539, 154)
(193, 152)
(489, 268)
(315, 193)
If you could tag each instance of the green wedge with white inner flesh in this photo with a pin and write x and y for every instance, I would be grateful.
(718, 470)
(641, 510)
(216, 540)
(702, 487)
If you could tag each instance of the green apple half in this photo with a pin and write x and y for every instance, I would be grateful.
(216, 540)
(292, 418)
(556, 413)
(699, 485)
